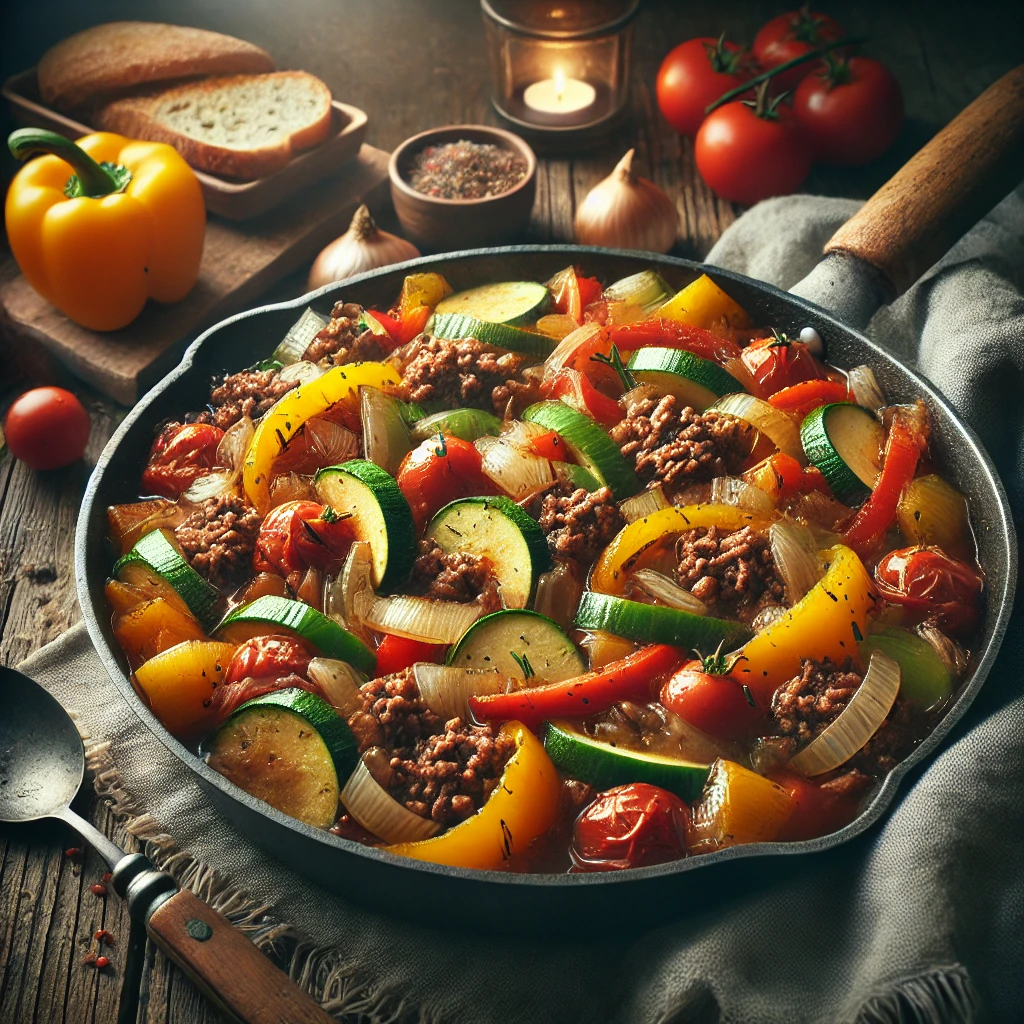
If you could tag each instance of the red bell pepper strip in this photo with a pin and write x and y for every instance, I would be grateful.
(548, 446)
(808, 395)
(665, 333)
(405, 327)
(396, 653)
(576, 390)
(903, 448)
(630, 678)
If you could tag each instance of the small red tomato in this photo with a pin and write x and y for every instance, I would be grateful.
(440, 470)
(47, 428)
(852, 111)
(179, 456)
(268, 657)
(778, 363)
(747, 154)
(629, 827)
(792, 35)
(694, 75)
(705, 695)
(818, 808)
(302, 534)
(398, 652)
(931, 585)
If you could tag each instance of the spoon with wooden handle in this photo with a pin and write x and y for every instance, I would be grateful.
(42, 764)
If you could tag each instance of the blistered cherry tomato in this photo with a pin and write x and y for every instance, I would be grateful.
(302, 534)
(705, 695)
(179, 456)
(47, 428)
(931, 585)
(396, 653)
(630, 827)
(440, 470)
(778, 363)
(265, 657)
(792, 35)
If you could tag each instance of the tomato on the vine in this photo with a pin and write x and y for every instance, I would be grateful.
(852, 110)
(46, 428)
(747, 151)
(792, 35)
(302, 534)
(440, 470)
(695, 74)
(777, 363)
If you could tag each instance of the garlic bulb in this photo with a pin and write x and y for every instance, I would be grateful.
(363, 247)
(626, 211)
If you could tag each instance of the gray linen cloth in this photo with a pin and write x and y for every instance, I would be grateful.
(920, 920)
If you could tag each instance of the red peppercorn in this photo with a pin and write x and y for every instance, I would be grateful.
(99, 890)
(107, 876)
(89, 958)
(102, 961)
(73, 851)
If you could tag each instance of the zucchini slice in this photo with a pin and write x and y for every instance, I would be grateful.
(844, 441)
(467, 424)
(589, 444)
(159, 552)
(291, 749)
(382, 515)
(455, 326)
(694, 381)
(576, 476)
(505, 641)
(658, 624)
(273, 614)
(603, 766)
(500, 530)
(507, 302)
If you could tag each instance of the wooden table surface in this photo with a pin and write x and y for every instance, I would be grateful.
(411, 65)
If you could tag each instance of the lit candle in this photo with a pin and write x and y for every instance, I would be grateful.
(559, 95)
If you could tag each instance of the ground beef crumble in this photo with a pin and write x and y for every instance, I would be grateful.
(676, 446)
(344, 339)
(455, 576)
(735, 569)
(460, 373)
(218, 539)
(247, 393)
(577, 523)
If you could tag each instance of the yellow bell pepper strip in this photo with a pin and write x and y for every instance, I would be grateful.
(611, 571)
(100, 226)
(828, 622)
(284, 420)
(519, 811)
(703, 304)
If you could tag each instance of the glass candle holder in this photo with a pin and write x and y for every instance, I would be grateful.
(560, 67)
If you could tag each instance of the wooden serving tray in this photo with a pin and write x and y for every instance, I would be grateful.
(236, 200)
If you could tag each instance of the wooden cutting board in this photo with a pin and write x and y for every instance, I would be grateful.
(241, 260)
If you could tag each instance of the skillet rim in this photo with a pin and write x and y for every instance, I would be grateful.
(871, 813)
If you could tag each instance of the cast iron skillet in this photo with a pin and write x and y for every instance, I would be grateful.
(408, 886)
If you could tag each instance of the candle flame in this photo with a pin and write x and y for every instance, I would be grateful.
(559, 77)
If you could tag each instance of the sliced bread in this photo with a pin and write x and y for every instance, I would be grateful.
(244, 127)
(110, 59)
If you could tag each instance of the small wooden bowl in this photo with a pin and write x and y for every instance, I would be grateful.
(442, 224)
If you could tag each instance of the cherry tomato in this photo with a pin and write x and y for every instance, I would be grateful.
(705, 695)
(778, 363)
(818, 808)
(179, 456)
(47, 428)
(398, 652)
(440, 470)
(302, 534)
(931, 585)
(792, 35)
(852, 111)
(746, 156)
(268, 657)
(629, 827)
(695, 74)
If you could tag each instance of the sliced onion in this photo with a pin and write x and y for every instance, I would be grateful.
(558, 594)
(300, 335)
(380, 813)
(777, 426)
(303, 371)
(421, 618)
(234, 444)
(738, 370)
(212, 485)
(647, 289)
(556, 325)
(953, 656)
(857, 722)
(731, 490)
(635, 397)
(767, 616)
(519, 432)
(668, 592)
(319, 442)
(866, 390)
(385, 435)
(446, 689)
(349, 595)
(646, 503)
(290, 487)
(515, 470)
(340, 684)
(567, 347)
(796, 557)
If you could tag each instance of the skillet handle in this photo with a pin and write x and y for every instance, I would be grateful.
(944, 189)
(227, 967)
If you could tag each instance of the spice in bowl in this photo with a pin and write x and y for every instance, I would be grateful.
(466, 170)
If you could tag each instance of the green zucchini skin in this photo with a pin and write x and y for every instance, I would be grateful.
(695, 381)
(455, 327)
(825, 449)
(506, 302)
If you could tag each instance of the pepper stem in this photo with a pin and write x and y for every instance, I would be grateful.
(95, 180)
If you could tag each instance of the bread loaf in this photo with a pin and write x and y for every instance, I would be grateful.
(111, 59)
(244, 127)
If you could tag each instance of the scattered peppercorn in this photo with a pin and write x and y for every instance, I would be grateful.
(466, 170)
(73, 851)
(107, 876)
(102, 961)
(98, 890)
(102, 935)
(89, 959)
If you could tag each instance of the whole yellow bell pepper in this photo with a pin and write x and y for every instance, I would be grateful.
(99, 227)
(519, 811)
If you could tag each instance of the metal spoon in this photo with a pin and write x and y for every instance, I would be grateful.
(42, 764)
